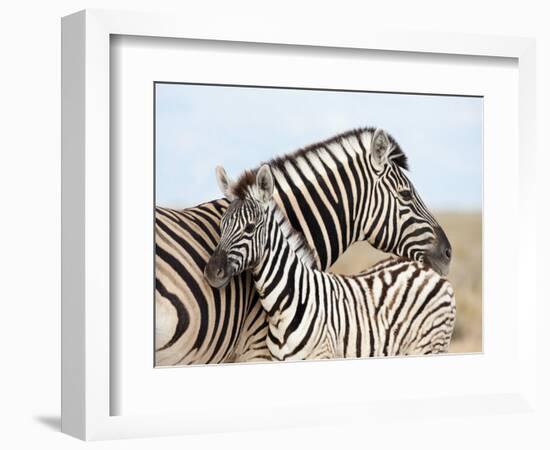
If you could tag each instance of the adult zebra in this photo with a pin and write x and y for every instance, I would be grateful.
(349, 188)
(398, 307)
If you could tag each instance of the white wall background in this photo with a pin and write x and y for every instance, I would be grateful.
(30, 189)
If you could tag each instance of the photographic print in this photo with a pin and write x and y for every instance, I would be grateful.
(306, 224)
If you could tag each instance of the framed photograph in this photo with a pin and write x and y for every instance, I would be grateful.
(293, 212)
(347, 212)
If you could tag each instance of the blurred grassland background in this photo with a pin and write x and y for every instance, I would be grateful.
(464, 232)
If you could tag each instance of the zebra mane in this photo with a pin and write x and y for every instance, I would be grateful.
(397, 155)
(248, 178)
(240, 187)
(295, 239)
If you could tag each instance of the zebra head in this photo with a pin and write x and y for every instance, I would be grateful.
(398, 221)
(243, 229)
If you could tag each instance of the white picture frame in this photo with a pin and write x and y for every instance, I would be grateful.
(86, 222)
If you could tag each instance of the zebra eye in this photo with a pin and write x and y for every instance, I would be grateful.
(249, 228)
(405, 194)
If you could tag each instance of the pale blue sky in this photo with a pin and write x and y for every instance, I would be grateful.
(200, 127)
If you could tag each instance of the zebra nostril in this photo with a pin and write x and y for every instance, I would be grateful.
(220, 273)
(448, 252)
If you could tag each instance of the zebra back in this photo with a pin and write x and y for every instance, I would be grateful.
(195, 323)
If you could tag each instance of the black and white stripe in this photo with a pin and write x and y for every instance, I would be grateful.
(398, 307)
(193, 322)
(337, 192)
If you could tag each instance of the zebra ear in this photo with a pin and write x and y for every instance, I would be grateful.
(224, 183)
(380, 147)
(264, 183)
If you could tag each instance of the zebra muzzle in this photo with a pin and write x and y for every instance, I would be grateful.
(217, 271)
(439, 258)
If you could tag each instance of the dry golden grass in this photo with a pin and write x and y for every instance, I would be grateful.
(464, 233)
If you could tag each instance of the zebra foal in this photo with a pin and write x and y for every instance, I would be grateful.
(398, 307)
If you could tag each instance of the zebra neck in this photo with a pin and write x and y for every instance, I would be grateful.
(324, 192)
(286, 253)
